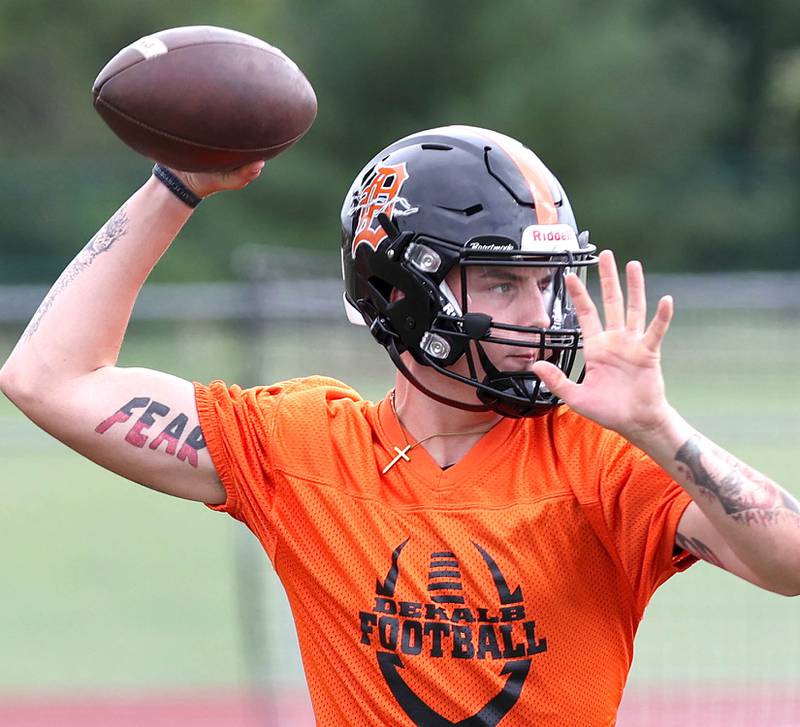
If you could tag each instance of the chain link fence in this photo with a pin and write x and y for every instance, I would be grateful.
(712, 650)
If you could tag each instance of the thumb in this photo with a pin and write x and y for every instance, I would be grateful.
(555, 380)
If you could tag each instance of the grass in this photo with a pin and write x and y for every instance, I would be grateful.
(108, 585)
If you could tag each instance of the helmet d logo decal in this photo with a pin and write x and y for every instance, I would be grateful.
(380, 193)
(448, 626)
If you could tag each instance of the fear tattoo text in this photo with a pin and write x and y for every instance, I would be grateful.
(170, 436)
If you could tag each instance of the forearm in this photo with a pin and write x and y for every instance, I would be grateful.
(80, 325)
(758, 519)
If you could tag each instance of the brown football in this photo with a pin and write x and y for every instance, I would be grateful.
(202, 98)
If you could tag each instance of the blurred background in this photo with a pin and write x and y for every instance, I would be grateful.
(675, 128)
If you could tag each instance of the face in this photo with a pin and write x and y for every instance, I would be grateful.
(518, 296)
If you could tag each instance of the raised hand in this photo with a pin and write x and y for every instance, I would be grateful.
(623, 388)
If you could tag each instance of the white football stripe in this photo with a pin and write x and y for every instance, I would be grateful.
(150, 46)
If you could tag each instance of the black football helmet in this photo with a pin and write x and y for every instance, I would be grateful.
(476, 199)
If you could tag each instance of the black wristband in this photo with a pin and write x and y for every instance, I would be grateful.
(174, 185)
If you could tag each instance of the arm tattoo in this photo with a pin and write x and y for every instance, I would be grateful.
(170, 435)
(103, 241)
(745, 494)
(699, 549)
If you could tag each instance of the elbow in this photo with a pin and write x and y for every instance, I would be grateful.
(18, 388)
(30, 384)
(792, 581)
(785, 587)
(792, 590)
(783, 579)
(7, 379)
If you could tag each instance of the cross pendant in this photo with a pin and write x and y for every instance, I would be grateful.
(401, 454)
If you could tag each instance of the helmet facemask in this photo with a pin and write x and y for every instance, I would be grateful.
(499, 312)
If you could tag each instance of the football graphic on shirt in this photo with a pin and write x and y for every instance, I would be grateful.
(449, 625)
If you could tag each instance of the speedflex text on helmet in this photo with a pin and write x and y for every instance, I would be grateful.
(443, 233)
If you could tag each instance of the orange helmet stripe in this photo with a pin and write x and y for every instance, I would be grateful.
(531, 168)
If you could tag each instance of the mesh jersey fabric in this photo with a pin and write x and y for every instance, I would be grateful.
(504, 590)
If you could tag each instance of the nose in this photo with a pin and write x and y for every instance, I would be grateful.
(541, 316)
(530, 310)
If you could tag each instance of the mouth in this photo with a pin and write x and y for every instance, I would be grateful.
(521, 361)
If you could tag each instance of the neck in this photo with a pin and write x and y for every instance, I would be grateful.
(423, 417)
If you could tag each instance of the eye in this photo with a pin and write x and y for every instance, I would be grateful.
(508, 288)
(545, 283)
(503, 288)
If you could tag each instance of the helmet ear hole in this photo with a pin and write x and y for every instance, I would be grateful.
(382, 291)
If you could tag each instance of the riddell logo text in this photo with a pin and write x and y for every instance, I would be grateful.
(445, 626)
(550, 236)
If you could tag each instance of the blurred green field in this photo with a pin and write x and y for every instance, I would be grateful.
(111, 586)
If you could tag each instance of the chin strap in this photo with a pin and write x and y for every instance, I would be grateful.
(394, 354)
(513, 405)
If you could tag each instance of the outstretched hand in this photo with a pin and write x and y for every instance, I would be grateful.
(204, 184)
(623, 388)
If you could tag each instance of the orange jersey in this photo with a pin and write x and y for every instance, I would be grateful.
(505, 590)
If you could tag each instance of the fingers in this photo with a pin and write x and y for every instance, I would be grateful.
(637, 301)
(204, 184)
(658, 327)
(242, 176)
(611, 291)
(618, 316)
(254, 169)
(588, 317)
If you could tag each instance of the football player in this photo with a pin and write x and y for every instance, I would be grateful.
(479, 546)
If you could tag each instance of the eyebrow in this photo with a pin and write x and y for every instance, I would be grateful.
(500, 274)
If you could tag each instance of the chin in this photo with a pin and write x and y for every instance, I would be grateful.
(518, 363)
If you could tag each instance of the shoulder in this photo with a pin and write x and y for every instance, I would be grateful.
(322, 429)
(315, 392)
(298, 423)
(288, 409)
(308, 391)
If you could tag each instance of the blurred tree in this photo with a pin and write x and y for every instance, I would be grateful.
(755, 158)
(761, 32)
(617, 104)
(674, 127)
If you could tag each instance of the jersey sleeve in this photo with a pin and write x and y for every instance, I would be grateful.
(642, 506)
(258, 437)
(238, 426)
